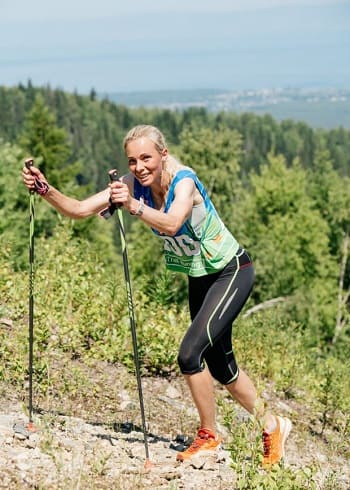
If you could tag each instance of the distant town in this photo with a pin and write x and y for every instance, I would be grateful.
(319, 107)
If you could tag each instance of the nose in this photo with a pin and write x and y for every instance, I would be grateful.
(139, 165)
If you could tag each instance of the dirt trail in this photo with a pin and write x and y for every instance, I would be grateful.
(93, 441)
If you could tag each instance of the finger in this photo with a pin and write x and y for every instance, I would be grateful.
(32, 171)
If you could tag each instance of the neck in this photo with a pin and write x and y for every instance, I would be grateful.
(158, 196)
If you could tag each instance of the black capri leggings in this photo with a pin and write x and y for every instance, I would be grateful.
(215, 301)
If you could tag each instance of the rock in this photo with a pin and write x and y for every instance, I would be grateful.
(172, 392)
(105, 449)
(127, 405)
(6, 322)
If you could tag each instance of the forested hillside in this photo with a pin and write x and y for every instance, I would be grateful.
(282, 188)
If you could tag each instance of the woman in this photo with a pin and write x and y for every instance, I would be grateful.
(169, 198)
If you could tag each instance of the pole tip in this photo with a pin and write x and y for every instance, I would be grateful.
(148, 465)
(31, 427)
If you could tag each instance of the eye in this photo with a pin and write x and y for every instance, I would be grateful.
(131, 162)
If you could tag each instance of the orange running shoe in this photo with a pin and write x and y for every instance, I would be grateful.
(205, 441)
(274, 442)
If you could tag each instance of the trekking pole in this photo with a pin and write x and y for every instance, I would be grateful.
(28, 164)
(113, 175)
(39, 188)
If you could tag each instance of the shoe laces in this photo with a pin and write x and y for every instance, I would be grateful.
(267, 443)
(202, 437)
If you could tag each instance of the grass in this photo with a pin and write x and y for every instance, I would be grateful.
(83, 364)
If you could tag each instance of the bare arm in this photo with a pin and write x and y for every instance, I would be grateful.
(68, 206)
(168, 223)
(73, 208)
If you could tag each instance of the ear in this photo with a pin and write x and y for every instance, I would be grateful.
(164, 154)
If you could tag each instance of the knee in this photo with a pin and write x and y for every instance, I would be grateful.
(188, 363)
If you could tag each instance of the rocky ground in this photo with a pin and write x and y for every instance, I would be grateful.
(91, 438)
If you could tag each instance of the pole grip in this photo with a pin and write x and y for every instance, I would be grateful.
(29, 163)
(113, 175)
(40, 187)
(108, 212)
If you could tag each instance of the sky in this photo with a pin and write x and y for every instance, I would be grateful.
(120, 46)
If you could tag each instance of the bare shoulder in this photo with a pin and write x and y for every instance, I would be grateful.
(173, 165)
(187, 188)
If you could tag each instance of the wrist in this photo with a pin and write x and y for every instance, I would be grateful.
(139, 207)
(41, 187)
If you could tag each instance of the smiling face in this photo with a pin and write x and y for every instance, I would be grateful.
(145, 161)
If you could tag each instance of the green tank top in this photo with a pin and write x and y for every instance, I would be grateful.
(203, 245)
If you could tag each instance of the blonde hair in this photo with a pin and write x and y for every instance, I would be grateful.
(170, 164)
(146, 131)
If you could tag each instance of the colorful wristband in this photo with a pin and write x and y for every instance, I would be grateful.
(40, 187)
